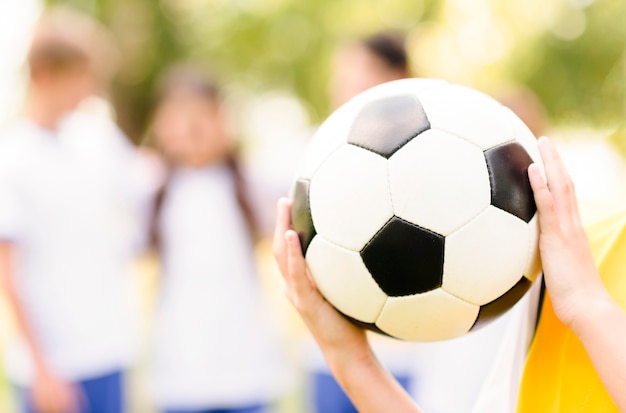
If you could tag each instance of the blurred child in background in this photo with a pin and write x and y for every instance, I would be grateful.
(215, 350)
(66, 240)
(361, 64)
(357, 66)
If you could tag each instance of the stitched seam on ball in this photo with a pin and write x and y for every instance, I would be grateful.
(529, 253)
(319, 165)
(393, 205)
(443, 129)
(462, 299)
(380, 310)
(367, 149)
(482, 211)
(339, 245)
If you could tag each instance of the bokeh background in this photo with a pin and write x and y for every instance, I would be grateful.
(571, 53)
(273, 56)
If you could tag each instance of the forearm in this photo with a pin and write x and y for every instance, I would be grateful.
(14, 303)
(369, 385)
(601, 327)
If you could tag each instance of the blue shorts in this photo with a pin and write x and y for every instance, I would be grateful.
(104, 394)
(250, 409)
(329, 397)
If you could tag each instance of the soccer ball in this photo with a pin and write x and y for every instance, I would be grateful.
(415, 212)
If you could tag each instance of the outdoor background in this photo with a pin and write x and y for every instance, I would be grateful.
(571, 53)
(274, 58)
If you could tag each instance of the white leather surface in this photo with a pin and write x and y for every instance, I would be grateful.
(439, 181)
(435, 315)
(343, 280)
(468, 114)
(349, 197)
(486, 257)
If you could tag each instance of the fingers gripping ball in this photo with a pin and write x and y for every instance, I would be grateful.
(415, 211)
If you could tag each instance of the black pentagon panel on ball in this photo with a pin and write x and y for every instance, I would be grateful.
(502, 304)
(404, 258)
(508, 174)
(385, 125)
(301, 213)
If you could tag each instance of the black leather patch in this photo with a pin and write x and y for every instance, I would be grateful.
(508, 173)
(502, 304)
(405, 259)
(301, 213)
(385, 125)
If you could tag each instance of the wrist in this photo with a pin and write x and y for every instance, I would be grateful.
(591, 311)
(343, 359)
(351, 367)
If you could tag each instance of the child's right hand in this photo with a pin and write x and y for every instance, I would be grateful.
(370, 387)
(49, 394)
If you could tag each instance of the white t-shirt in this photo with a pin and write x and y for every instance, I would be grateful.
(215, 346)
(479, 372)
(63, 205)
(476, 373)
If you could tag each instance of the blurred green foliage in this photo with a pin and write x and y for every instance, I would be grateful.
(572, 58)
(582, 80)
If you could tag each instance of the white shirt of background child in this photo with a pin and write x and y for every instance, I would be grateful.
(215, 345)
(65, 205)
